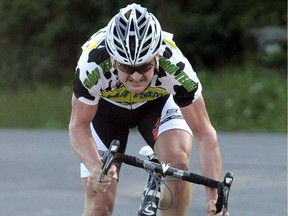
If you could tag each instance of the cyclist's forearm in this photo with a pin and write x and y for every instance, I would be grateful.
(210, 159)
(206, 139)
(84, 146)
(80, 133)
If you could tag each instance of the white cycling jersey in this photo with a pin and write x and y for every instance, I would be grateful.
(96, 76)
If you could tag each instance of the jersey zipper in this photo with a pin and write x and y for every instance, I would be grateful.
(130, 100)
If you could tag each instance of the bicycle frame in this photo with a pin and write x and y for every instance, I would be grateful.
(162, 169)
(150, 197)
(151, 194)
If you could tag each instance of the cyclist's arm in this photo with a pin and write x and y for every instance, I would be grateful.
(206, 139)
(80, 134)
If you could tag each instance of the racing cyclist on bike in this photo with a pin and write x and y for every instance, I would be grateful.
(131, 74)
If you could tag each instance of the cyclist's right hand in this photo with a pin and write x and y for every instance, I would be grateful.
(211, 209)
(93, 179)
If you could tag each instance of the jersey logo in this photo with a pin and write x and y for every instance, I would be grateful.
(181, 77)
(94, 76)
(122, 95)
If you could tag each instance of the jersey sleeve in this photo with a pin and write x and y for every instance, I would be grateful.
(81, 92)
(87, 83)
(177, 74)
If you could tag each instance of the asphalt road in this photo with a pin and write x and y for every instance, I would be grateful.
(39, 175)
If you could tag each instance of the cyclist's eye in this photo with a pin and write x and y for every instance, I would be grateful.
(130, 70)
(123, 67)
(143, 68)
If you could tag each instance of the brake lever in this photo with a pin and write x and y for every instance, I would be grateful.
(223, 193)
(108, 158)
(228, 179)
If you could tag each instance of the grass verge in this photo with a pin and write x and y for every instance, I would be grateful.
(243, 98)
(42, 107)
(246, 99)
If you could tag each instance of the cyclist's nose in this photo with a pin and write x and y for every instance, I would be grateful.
(136, 76)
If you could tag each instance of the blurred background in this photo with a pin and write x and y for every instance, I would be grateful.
(238, 49)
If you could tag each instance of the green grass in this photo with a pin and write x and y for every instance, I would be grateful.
(245, 98)
(42, 107)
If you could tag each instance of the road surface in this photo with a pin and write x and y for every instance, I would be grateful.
(39, 175)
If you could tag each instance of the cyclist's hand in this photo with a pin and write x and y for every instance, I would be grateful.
(211, 208)
(93, 179)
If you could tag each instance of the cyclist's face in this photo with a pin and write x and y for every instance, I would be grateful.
(136, 79)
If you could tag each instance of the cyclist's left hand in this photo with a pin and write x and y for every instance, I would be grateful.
(211, 208)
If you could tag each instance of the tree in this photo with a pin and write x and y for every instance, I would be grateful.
(40, 40)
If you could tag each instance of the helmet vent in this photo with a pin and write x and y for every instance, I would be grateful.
(132, 29)
(132, 46)
(147, 44)
(157, 47)
(141, 22)
(117, 43)
(122, 23)
(127, 14)
(138, 14)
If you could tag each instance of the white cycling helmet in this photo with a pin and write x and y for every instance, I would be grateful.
(133, 36)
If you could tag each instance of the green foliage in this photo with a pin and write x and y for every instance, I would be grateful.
(211, 33)
(246, 98)
(40, 40)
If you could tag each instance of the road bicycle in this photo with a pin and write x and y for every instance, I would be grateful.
(156, 172)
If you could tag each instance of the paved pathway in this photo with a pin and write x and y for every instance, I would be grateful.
(39, 175)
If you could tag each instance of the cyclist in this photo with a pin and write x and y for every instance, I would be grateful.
(131, 74)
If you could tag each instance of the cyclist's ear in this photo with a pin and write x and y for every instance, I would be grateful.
(157, 62)
(156, 67)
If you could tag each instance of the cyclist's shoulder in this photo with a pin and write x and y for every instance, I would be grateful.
(95, 41)
(168, 40)
(169, 49)
(94, 53)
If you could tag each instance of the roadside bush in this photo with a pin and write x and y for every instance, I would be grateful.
(40, 40)
(246, 98)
